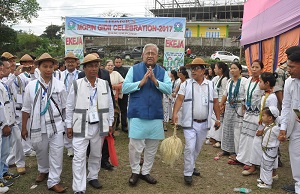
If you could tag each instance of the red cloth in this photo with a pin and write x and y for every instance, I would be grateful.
(112, 150)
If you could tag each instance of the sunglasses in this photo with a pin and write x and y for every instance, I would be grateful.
(196, 68)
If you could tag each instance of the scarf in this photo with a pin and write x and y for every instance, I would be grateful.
(232, 97)
(40, 109)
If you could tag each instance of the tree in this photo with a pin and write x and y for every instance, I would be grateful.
(53, 32)
(8, 39)
(14, 10)
(113, 14)
(37, 45)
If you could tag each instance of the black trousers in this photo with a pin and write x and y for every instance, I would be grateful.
(105, 153)
(123, 103)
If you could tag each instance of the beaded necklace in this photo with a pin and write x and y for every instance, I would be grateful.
(249, 94)
(232, 100)
(267, 93)
(43, 95)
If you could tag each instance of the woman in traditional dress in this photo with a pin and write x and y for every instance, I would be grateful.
(266, 83)
(233, 117)
(251, 116)
(116, 80)
(222, 72)
(183, 75)
(175, 82)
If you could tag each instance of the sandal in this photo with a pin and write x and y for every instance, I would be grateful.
(234, 162)
(246, 167)
(224, 153)
(217, 145)
(232, 157)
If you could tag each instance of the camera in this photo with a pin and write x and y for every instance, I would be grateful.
(26, 69)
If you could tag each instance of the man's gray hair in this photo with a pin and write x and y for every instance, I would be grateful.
(150, 44)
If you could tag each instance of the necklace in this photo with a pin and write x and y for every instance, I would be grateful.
(249, 94)
(232, 99)
(263, 106)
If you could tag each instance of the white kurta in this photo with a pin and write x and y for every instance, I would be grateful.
(213, 133)
(50, 150)
(233, 118)
(270, 144)
(256, 151)
(250, 123)
(291, 101)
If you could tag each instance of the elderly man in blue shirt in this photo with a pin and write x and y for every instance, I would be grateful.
(146, 82)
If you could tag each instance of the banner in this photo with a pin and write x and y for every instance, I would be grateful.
(174, 53)
(162, 27)
(74, 44)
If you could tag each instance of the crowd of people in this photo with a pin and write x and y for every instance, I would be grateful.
(46, 106)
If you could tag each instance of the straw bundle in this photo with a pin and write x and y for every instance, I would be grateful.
(171, 148)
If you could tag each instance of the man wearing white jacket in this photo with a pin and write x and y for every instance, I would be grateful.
(89, 118)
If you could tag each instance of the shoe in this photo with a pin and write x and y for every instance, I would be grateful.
(280, 164)
(217, 145)
(107, 166)
(247, 173)
(12, 165)
(234, 162)
(95, 183)
(264, 186)
(9, 176)
(21, 170)
(259, 180)
(3, 189)
(149, 179)
(31, 154)
(70, 153)
(134, 179)
(124, 129)
(207, 142)
(79, 192)
(58, 189)
(289, 188)
(41, 177)
(188, 180)
(5, 183)
(196, 172)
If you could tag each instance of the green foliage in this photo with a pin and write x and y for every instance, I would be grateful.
(35, 45)
(14, 10)
(7, 39)
(53, 32)
(187, 60)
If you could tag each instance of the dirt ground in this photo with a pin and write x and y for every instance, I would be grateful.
(216, 176)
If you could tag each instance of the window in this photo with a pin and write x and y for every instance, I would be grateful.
(188, 33)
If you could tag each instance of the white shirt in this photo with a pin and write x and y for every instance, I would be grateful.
(271, 137)
(290, 101)
(116, 78)
(200, 98)
(59, 95)
(68, 78)
(70, 106)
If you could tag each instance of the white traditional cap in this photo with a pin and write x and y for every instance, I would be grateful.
(275, 112)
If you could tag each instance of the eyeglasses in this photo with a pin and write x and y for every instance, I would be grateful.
(196, 68)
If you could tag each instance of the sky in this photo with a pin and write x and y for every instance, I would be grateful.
(53, 10)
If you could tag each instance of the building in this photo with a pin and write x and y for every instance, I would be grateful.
(205, 18)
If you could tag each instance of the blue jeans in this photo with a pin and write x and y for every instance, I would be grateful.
(4, 154)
